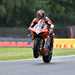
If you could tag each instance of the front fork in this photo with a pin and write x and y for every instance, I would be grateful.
(48, 45)
(44, 46)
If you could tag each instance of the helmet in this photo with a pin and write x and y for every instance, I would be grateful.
(40, 13)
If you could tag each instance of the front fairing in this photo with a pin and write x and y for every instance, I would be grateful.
(40, 30)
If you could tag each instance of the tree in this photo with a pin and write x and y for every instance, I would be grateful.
(21, 12)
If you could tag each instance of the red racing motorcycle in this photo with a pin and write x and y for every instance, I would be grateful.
(43, 43)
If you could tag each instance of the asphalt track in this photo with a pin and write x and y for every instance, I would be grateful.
(58, 66)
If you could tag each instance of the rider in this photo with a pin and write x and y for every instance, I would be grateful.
(40, 15)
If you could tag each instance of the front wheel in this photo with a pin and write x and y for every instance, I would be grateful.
(47, 58)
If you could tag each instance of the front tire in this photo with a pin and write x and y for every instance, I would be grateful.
(47, 58)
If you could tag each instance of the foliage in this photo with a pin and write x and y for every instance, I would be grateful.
(20, 12)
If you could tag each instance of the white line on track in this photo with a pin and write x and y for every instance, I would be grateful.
(57, 58)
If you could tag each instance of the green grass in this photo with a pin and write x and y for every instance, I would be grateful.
(62, 52)
(26, 53)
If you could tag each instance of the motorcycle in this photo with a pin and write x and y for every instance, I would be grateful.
(43, 44)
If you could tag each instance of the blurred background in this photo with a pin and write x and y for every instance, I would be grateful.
(16, 16)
